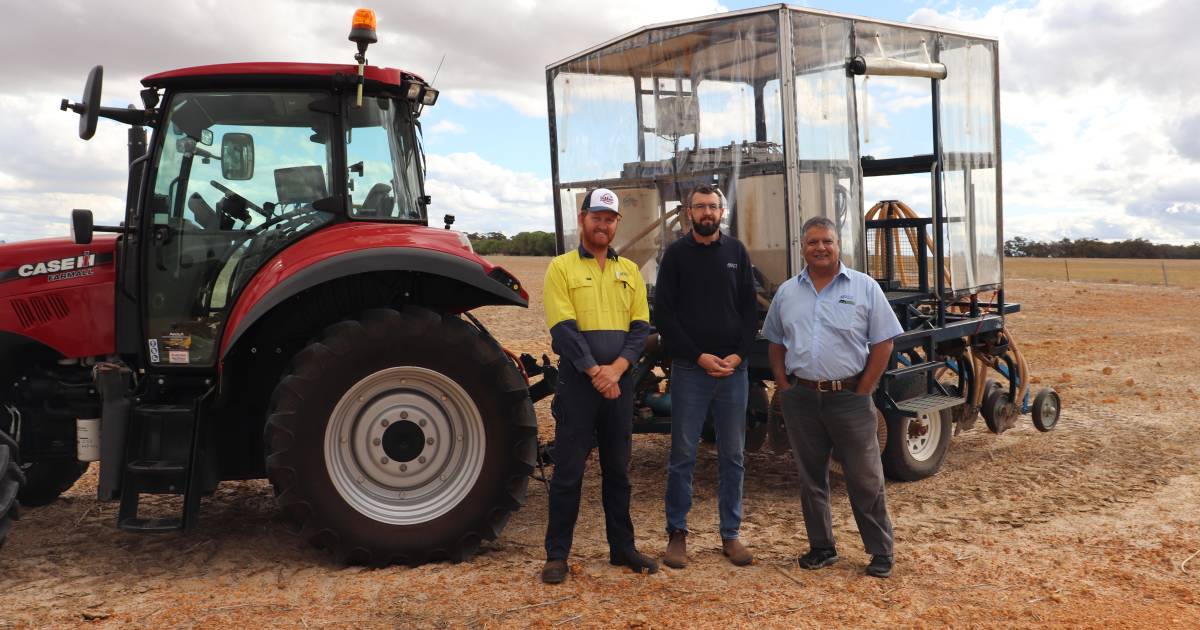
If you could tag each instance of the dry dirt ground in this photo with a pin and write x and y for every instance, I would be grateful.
(1096, 524)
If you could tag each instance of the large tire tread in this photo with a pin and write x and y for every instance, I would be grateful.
(381, 326)
(11, 480)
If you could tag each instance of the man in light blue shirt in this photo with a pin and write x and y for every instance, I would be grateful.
(831, 331)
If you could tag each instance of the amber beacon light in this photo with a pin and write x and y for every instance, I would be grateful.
(362, 32)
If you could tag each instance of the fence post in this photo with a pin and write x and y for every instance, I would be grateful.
(1164, 268)
(1067, 264)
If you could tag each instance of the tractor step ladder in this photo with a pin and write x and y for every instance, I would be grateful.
(928, 404)
(163, 458)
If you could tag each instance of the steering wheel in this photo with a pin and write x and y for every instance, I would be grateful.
(232, 195)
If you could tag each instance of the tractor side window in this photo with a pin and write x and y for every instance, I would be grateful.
(383, 175)
(239, 177)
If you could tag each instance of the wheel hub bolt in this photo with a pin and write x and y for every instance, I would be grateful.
(403, 467)
(429, 441)
(385, 422)
(421, 422)
(383, 460)
(421, 459)
(404, 415)
(375, 442)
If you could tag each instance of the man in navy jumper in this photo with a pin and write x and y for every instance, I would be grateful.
(706, 310)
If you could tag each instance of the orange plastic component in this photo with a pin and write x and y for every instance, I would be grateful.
(363, 19)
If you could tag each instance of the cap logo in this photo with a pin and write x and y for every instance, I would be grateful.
(606, 198)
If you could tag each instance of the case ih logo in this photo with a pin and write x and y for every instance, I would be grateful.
(54, 266)
(60, 268)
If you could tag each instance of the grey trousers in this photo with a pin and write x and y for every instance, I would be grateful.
(817, 423)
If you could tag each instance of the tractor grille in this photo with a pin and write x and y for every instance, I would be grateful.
(40, 309)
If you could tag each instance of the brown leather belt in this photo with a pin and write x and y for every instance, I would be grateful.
(845, 384)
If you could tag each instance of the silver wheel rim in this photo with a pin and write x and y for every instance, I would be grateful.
(404, 445)
(922, 447)
(1049, 410)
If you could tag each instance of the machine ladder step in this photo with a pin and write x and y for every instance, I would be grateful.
(163, 454)
(150, 525)
(928, 404)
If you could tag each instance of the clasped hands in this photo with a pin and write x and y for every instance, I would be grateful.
(606, 378)
(718, 367)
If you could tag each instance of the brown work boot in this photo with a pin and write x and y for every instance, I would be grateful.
(554, 572)
(676, 554)
(737, 553)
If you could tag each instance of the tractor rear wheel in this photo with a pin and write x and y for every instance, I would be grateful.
(46, 481)
(402, 436)
(10, 484)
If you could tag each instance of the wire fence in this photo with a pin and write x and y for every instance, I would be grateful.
(1175, 272)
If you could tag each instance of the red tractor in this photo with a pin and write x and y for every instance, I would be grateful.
(274, 305)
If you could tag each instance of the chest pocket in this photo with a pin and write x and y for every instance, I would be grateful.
(623, 290)
(583, 293)
(842, 316)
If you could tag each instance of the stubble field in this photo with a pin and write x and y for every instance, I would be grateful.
(1096, 524)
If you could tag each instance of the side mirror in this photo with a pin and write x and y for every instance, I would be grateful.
(81, 226)
(89, 107)
(237, 156)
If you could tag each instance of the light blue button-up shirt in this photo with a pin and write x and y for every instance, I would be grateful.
(828, 334)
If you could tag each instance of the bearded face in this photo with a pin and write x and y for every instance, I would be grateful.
(706, 212)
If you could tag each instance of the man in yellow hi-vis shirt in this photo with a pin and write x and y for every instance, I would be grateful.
(598, 318)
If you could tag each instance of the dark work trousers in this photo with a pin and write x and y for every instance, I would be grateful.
(582, 417)
(818, 423)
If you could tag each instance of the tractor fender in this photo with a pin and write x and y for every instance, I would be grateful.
(266, 292)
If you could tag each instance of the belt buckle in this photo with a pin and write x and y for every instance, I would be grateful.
(820, 388)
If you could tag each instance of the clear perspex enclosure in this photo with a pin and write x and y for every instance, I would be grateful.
(887, 129)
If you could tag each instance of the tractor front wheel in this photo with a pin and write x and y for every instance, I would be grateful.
(402, 436)
(10, 484)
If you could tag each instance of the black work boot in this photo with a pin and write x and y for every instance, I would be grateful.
(634, 560)
(676, 554)
(818, 558)
(880, 567)
(554, 572)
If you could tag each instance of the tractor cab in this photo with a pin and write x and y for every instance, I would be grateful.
(238, 175)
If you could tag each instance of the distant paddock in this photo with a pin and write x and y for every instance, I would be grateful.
(1181, 273)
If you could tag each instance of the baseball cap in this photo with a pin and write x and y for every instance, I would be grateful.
(601, 200)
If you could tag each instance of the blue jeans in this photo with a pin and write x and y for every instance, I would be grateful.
(694, 394)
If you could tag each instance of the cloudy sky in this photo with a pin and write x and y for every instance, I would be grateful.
(1100, 105)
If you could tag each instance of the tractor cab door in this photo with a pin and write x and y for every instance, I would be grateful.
(238, 176)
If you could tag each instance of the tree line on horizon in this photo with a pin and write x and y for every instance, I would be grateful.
(521, 243)
(1021, 247)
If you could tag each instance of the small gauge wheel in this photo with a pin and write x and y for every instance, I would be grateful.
(1046, 406)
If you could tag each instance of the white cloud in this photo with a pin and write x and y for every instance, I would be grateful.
(1105, 91)
(486, 197)
(447, 126)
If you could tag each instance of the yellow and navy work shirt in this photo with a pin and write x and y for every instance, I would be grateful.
(595, 315)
